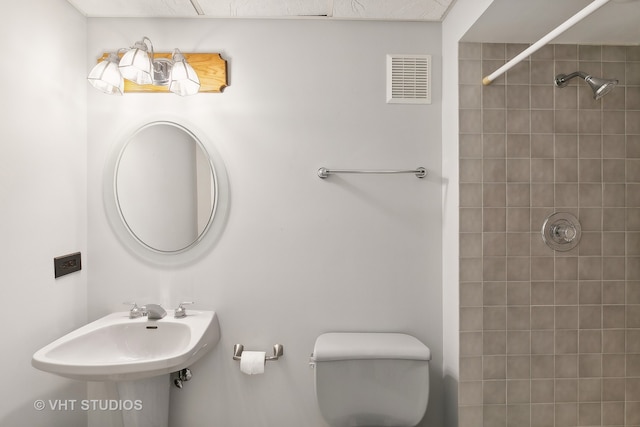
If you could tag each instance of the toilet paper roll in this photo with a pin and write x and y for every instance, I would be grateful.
(252, 362)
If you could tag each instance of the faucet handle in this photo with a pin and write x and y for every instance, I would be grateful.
(135, 310)
(181, 311)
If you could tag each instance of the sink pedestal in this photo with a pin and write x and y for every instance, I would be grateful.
(151, 395)
(144, 403)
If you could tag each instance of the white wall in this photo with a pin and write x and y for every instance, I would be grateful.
(43, 200)
(299, 256)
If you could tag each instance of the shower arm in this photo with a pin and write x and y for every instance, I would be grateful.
(588, 10)
(563, 80)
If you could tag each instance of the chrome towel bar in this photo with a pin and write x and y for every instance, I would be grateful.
(419, 172)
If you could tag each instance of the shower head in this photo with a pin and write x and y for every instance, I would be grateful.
(600, 86)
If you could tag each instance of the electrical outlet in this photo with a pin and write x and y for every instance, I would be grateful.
(67, 264)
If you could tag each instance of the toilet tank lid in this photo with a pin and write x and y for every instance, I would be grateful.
(368, 345)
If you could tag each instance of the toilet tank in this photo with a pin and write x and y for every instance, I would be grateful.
(371, 379)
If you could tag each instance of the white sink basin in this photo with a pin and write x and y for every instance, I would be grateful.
(116, 348)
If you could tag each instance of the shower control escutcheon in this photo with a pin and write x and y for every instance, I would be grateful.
(561, 231)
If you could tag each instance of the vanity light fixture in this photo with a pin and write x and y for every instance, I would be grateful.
(106, 76)
(184, 80)
(136, 64)
(139, 65)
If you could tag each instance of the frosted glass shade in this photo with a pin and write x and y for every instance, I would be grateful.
(184, 80)
(106, 77)
(135, 65)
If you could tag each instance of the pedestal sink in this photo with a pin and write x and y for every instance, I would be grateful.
(138, 354)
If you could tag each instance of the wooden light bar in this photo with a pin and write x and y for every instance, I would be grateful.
(210, 68)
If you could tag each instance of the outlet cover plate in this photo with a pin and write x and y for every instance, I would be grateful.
(67, 264)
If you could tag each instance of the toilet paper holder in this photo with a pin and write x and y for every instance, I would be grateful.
(278, 351)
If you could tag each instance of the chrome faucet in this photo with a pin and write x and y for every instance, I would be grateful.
(155, 311)
(152, 311)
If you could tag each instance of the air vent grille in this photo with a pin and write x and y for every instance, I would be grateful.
(408, 79)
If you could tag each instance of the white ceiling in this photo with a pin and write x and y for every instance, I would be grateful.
(420, 10)
(526, 21)
(516, 21)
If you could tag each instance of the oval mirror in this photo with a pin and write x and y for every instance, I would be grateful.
(167, 188)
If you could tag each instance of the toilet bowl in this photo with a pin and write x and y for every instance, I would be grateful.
(371, 379)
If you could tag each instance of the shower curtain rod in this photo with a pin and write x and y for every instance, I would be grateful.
(596, 4)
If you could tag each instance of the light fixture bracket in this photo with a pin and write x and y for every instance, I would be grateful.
(162, 71)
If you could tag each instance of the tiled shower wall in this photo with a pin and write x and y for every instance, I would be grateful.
(549, 338)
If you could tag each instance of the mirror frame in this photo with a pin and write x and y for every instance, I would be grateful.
(217, 221)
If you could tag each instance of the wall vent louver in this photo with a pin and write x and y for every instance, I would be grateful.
(408, 79)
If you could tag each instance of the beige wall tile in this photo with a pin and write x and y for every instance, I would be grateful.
(470, 343)
(614, 341)
(590, 341)
(470, 393)
(494, 146)
(470, 416)
(542, 415)
(494, 368)
(494, 121)
(471, 294)
(519, 415)
(613, 413)
(494, 195)
(494, 415)
(589, 414)
(470, 368)
(494, 96)
(613, 292)
(632, 413)
(494, 343)
(613, 365)
(474, 51)
(633, 365)
(542, 391)
(589, 366)
(542, 144)
(518, 343)
(566, 366)
(566, 341)
(494, 392)
(518, 293)
(566, 292)
(542, 317)
(566, 414)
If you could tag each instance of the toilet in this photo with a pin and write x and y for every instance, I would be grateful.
(371, 379)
